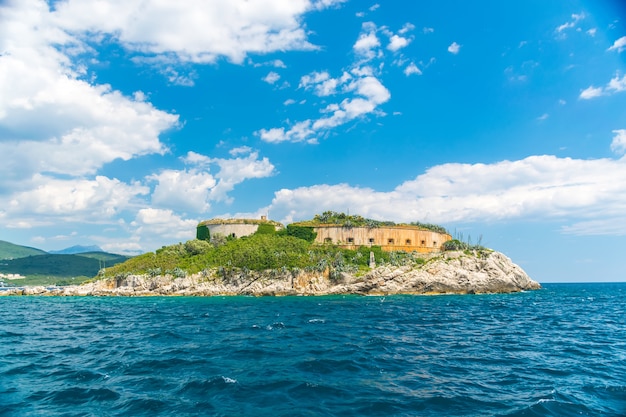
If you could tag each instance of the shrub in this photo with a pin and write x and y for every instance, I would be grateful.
(203, 233)
(266, 229)
(300, 232)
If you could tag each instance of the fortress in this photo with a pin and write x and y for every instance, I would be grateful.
(390, 237)
(405, 238)
(235, 227)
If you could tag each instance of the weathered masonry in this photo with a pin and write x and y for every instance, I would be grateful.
(389, 238)
(237, 227)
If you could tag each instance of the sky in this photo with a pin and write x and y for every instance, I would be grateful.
(123, 123)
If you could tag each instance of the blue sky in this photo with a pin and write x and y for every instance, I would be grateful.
(124, 123)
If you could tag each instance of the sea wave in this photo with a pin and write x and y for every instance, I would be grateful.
(559, 351)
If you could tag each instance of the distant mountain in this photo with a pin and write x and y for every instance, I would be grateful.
(61, 265)
(73, 250)
(12, 251)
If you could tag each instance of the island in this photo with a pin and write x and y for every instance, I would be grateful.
(333, 253)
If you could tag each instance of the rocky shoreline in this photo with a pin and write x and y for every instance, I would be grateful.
(450, 273)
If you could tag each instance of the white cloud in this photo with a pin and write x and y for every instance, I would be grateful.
(322, 84)
(454, 48)
(615, 85)
(271, 77)
(48, 200)
(571, 24)
(363, 92)
(427, 30)
(193, 31)
(237, 170)
(245, 165)
(367, 45)
(538, 187)
(182, 190)
(152, 226)
(397, 42)
(592, 32)
(412, 69)
(54, 121)
(406, 28)
(543, 117)
(619, 45)
(618, 145)
(591, 92)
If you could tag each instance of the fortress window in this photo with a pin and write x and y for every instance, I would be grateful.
(233, 235)
(434, 243)
(328, 240)
(390, 241)
(423, 243)
(408, 242)
(350, 240)
(371, 240)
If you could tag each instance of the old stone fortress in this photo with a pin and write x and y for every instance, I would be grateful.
(406, 238)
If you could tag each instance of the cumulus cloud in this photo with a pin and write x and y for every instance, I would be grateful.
(615, 85)
(397, 42)
(48, 200)
(360, 87)
(196, 30)
(367, 46)
(244, 165)
(271, 77)
(454, 48)
(412, 69)
(151, 226)
(537, 187)
(619, 141)
(570, 24)
(619, 45)
(54, 121)
(182, 189)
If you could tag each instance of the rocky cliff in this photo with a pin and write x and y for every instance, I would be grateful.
(447, 273)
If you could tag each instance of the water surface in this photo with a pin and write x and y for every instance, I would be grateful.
(559, 351)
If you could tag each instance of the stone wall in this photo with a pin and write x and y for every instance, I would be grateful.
(389, 238)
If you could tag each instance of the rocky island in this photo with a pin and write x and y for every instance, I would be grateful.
(452, 273)
(332, 254)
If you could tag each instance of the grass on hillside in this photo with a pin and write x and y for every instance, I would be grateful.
(12, 251)
(258, 252)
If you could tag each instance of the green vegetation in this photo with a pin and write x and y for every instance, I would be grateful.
(347, 220)
(459, 244)
(202, 232)
(12, 251)
(300, 232)
(266, 229)
(52, 269)
(259, 252)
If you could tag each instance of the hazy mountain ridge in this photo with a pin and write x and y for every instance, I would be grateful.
(50, 266)
(10, 250)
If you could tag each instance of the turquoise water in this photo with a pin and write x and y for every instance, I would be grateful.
(560, 351)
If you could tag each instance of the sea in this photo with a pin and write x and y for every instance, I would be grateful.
(558, 351)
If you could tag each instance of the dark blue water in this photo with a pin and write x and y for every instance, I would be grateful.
(560, 351)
